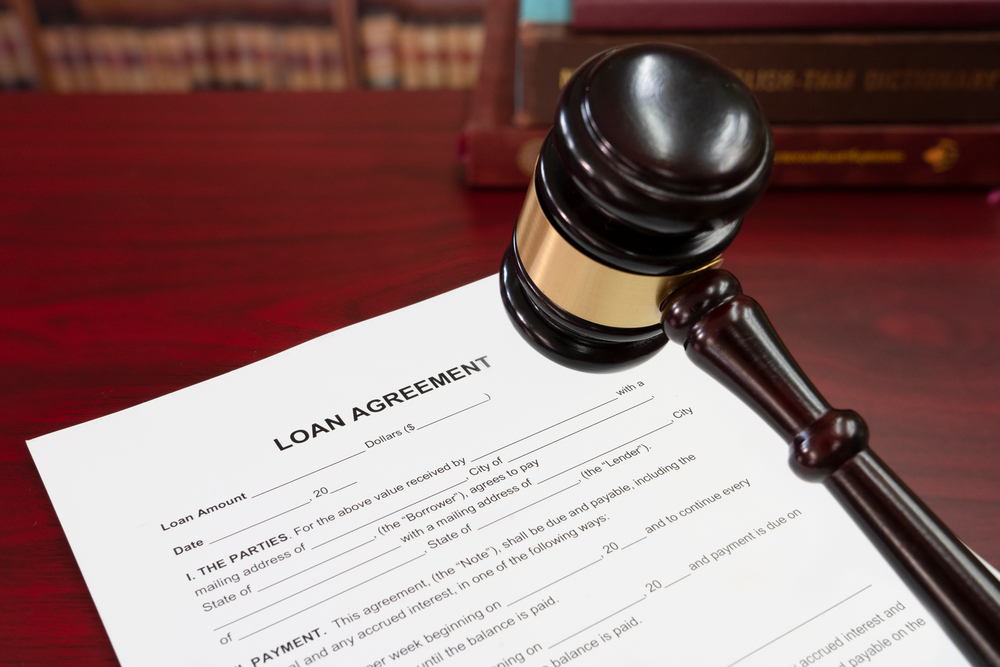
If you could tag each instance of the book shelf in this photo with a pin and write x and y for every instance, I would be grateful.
(139, 46)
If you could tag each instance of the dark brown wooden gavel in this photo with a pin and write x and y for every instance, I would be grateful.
(656, 155)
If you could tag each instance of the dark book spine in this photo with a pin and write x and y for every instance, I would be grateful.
(820, 156)
(828, 78)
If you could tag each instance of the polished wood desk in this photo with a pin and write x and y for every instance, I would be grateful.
(148, 243)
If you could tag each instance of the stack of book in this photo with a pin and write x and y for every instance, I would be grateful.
(185, 45)
(858, 92)
(412, 53)
(193, 56)
(156, 46)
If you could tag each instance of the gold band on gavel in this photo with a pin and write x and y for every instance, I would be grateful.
(583, 286)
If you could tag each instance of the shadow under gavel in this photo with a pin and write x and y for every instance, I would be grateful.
(656, 155)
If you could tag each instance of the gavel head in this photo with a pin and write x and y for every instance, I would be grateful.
(656, 154)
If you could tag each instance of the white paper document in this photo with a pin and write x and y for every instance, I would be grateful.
(425, 489)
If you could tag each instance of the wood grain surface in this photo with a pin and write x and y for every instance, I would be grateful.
(148, 243)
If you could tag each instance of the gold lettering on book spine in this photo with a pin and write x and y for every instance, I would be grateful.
(845, 156)
(931, 80)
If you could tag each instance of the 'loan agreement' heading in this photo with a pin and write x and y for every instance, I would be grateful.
(403, 394)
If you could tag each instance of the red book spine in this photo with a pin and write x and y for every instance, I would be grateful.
(646, 15)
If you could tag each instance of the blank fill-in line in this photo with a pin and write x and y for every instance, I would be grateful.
(333, 596)
(260, 522)
(675, 581)
(309, 473)
(582, 429)
(634, 543)
(527, 506)
(553, 583)
(456, 413)
(577, 465)
(316, 565)
(596, 622)
(544, 429)
(390, 513)
(800, 625)
(289, 597)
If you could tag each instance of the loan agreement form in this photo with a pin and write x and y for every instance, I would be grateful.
(424, 489)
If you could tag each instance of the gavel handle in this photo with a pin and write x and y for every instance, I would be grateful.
(727, 334)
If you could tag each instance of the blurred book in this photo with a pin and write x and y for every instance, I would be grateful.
(184, 45)
(496, 152)
(194, 56)
(419, 52)
(17, 69)
(800, 77)
(656, 15)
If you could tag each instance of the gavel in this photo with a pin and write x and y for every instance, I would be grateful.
(656, 154)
